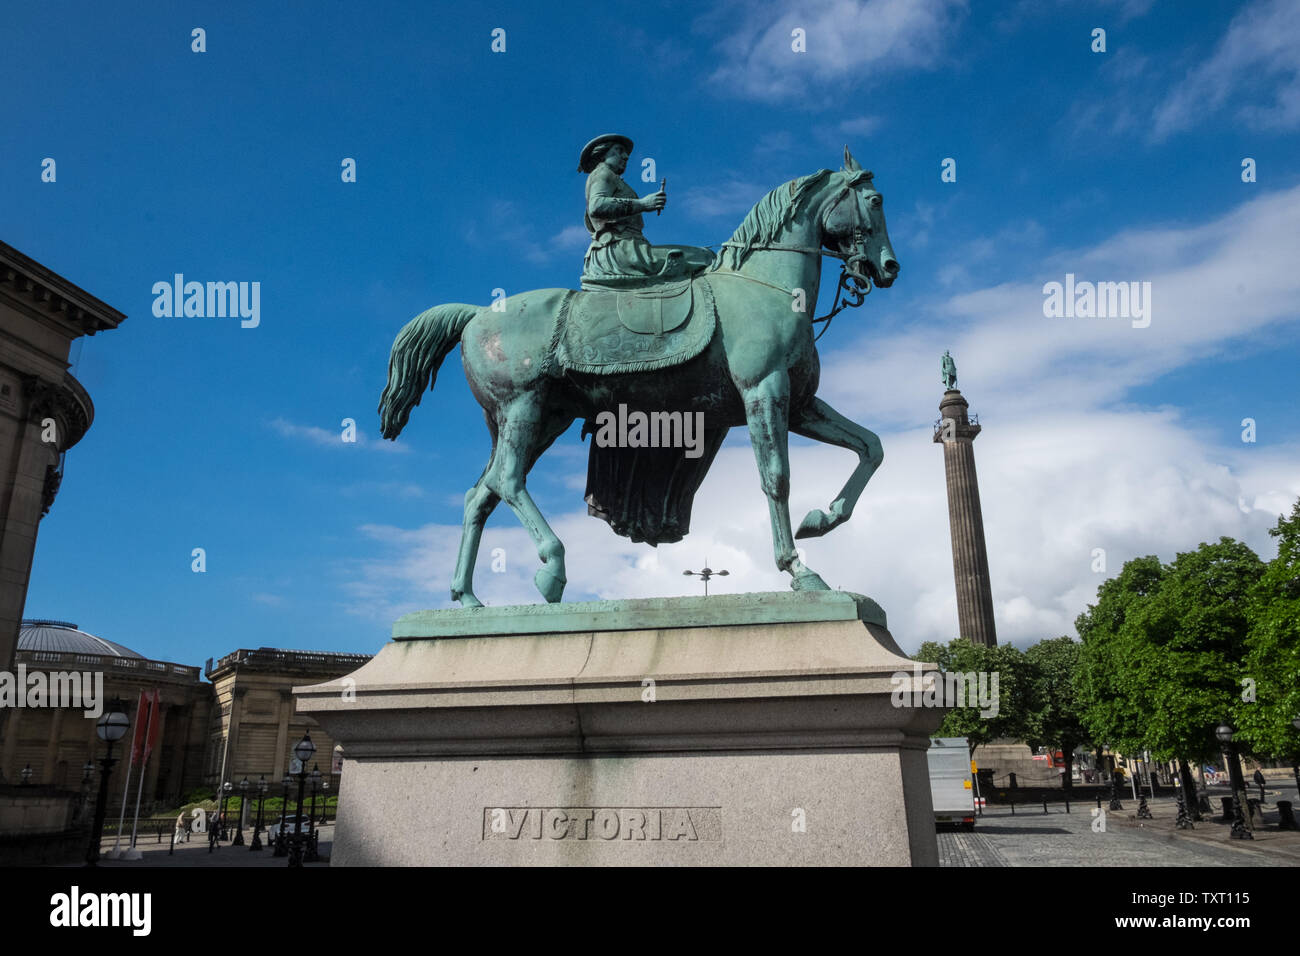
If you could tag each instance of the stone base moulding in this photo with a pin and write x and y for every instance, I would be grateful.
(730, 730)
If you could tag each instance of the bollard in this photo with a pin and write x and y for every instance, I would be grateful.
(1098, 800)
(1013, 808)
(1044, 803)
(1285, 818)
(1184, 821)
(1144, 812)
(1067, 804)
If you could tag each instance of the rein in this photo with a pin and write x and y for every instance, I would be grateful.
(853, 285)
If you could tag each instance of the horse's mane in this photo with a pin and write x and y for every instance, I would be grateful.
(769, 216)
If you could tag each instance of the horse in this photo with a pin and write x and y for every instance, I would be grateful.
(760, 369)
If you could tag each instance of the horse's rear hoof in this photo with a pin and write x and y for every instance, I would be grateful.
(466, 598)
(809, 581)
(550, 584)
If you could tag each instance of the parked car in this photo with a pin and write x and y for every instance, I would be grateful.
(273, 828)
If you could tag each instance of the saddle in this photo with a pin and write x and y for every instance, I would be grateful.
(658, 326)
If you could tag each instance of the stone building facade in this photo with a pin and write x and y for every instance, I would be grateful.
(44, 411)
(240, 722)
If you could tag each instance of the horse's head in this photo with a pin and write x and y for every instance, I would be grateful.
(853, 224)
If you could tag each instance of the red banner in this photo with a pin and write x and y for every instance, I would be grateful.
(146, 727)
(155, 725)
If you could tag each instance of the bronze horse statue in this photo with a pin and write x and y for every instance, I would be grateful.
(758, 367)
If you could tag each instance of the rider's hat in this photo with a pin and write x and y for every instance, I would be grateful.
(587, 162)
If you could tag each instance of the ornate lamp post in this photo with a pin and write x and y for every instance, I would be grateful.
(303, 751)
(281, 843)
(110, 728)
(312, 856)
(262, 787)
(239, 823)
(1240, 828)
(707, 573)
(221, 816)
(324, 801)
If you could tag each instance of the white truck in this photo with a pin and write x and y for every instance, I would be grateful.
(951, 770)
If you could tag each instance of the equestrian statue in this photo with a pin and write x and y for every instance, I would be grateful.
(673, 334)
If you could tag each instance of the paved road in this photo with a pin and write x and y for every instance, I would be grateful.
(1059, 839)
(195, 853)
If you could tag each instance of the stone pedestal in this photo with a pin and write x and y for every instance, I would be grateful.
(769, 729)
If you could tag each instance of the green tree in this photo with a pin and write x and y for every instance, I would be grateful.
(1106, 686)
(1273, 651)
(1057, 718)
(1163, 651)
(1014, 704)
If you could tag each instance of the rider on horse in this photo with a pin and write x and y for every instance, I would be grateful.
(618, 250)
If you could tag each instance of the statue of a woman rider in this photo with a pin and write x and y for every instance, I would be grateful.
(619, 256)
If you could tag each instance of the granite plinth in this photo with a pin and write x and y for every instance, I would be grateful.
(630, 733)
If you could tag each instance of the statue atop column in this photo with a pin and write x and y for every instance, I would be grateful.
(949, 368)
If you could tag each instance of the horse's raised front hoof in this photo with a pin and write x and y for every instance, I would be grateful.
(807, 580)
(815, 524)
(550, 584)
(466, 598)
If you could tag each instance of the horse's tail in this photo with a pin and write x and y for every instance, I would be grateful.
(418, 352)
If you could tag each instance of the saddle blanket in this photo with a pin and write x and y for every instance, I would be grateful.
(608, 333)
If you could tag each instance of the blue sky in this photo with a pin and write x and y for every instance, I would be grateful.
(225, 166)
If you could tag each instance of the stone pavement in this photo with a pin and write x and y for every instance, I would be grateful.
(195, 853)
(1059, 839)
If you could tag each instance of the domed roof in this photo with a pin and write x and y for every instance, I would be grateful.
(62, 637)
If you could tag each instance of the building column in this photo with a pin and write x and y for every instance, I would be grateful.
(51, 757)
(232, 734)
(175, 781)
(282, 734)
(12, 719)
(155, 758)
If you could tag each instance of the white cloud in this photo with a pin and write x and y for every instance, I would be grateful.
(1255, 68)
(326, 438)
(847, 41)
(731, 199)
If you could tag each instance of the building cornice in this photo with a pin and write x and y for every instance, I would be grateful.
(26, 279)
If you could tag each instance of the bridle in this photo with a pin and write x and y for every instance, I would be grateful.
(855, 281)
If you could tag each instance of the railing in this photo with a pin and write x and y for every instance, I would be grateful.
(274, 655)
(69, 660)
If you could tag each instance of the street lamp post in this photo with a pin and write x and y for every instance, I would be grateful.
(262, 786)
(324, 801)
(707, 573)
(303, 751)
(110, 728)
(243, 802)
(312, 856)
(1240, 827)
(281, 843)
(221, 816)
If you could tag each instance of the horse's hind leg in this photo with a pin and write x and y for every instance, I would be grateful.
(527, 430)
(479, 504)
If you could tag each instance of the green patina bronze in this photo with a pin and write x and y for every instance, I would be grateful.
(675, 335)
(949, 369)
(720, 610)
